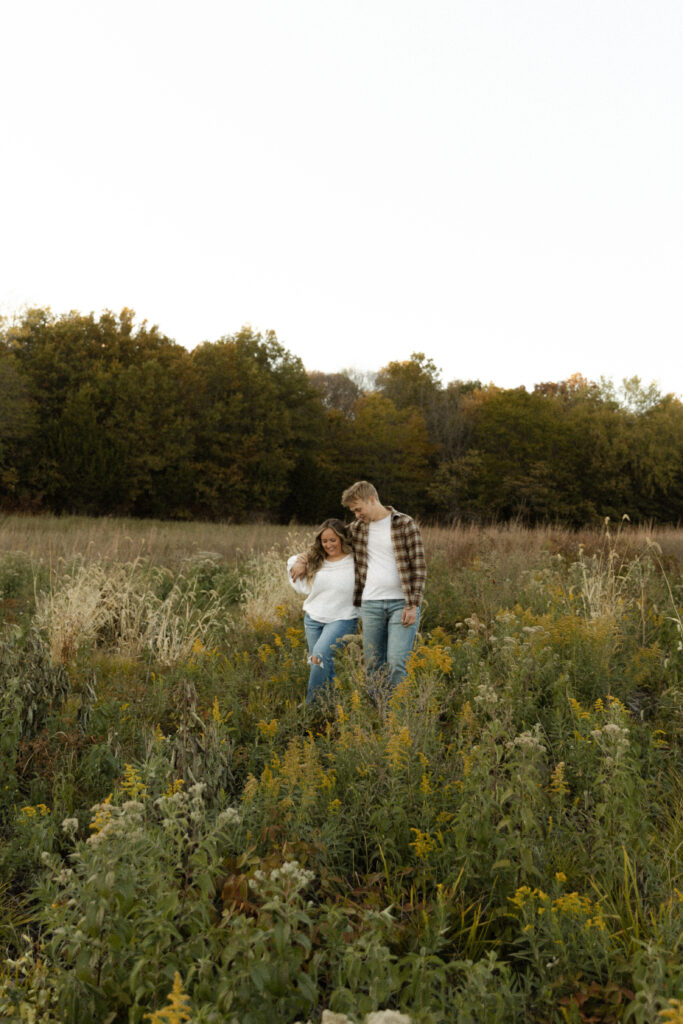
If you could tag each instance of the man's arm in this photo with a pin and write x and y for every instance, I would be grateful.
(298, 569)
(416, 560)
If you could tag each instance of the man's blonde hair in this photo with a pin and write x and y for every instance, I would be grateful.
(360, 491)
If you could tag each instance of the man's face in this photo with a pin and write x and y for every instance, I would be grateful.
(364, 510)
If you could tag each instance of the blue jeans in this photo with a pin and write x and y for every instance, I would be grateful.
(323, 639)
(386, 641)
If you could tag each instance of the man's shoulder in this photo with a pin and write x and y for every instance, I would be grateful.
(400, 517)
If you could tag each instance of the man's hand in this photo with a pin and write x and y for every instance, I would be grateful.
(409, 616)
(298, 570)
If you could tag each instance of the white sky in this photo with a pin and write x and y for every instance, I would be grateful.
(496, 183)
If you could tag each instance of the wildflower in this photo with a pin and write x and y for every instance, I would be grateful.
(103, 814)
(70, 826)
(386, 1017)
(250, 788)
(398, 746)
(467, 715)
(268, 729)
(486, 695)
(560, 877)
(673, 1013)
(355, 700)
(557, 783)
(334, 806)
(132, 783)
(528, 741)
(423, 844)
(577, 709)
(228, 817)
(216, 712)
(295, 636)
(572, 904)
(178, 1009)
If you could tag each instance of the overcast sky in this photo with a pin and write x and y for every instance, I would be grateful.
(496, 183)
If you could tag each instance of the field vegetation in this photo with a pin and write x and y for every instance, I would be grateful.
(500, 839)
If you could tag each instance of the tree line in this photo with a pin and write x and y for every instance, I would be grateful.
(100, 415)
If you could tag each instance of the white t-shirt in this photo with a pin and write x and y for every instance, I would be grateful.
(330, 592)
(382, 582)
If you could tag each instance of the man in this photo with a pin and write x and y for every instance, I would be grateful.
(390, 578)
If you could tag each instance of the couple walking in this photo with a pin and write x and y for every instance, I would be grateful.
(374, 569)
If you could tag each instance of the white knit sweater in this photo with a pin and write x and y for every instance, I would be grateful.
(330, 592)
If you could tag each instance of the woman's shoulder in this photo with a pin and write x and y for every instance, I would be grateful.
(339, 565)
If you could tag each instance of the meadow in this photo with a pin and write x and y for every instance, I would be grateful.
(498, 840)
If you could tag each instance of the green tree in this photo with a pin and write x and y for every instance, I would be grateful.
(389, 447)
(104, 441)
(259, 422)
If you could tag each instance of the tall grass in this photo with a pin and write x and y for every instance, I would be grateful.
(498, 840)
(59, 539)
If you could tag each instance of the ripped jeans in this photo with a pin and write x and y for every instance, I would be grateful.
(323, 640)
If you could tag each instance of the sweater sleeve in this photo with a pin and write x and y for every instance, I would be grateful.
(301, 586)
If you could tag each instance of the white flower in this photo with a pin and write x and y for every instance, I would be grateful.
(485, 695)
(528, 741)
(132, 806)
(70, 826)
(387, 1017)
(228, 817)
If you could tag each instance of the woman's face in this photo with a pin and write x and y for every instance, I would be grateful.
(331, 543)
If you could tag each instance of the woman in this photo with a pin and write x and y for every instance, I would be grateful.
(329, 613)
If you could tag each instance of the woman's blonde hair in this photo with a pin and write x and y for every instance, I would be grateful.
(315, 556)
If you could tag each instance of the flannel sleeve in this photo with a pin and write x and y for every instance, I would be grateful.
(416, 560)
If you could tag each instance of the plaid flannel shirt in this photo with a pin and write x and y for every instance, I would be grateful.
(408, 552)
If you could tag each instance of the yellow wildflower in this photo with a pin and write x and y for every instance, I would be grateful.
(557, 783)
(397, 747)
(673, 1013)
(295, 636)
(178, 1009)
(334, 806)
(132, 785)
(102, 815)
(268, 729)
(423, 844)
(577, 709)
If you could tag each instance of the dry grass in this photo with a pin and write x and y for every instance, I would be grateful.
(54, 539)
(117, 606)
(461, 543)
